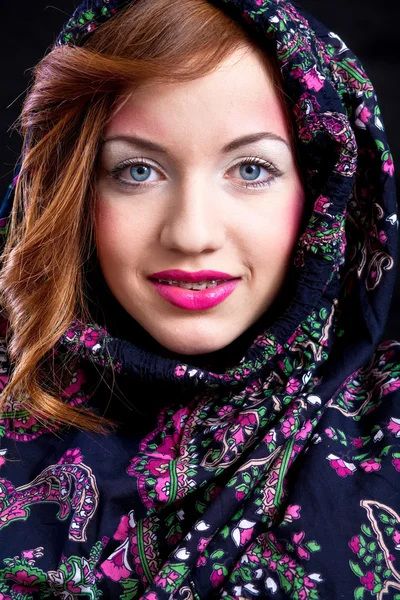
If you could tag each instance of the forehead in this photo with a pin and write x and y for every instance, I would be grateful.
(236, 98)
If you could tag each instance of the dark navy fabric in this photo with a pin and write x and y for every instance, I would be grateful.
(271, 469)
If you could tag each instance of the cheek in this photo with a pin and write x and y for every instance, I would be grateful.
(288, 229)
(115, 238)
(275, 229)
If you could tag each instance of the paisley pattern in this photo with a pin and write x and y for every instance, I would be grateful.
(278, 477)
(68, 485)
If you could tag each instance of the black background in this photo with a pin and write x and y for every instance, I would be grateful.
(370, 29)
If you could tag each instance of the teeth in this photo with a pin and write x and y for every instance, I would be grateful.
(198, 285)
(184, 284)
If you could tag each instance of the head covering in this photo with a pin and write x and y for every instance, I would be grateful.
(277, 476)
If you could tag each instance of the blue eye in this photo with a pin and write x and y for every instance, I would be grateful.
(134, 173)
(249, 171)
(140, 172)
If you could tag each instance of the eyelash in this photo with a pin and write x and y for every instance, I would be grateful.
(273, 171)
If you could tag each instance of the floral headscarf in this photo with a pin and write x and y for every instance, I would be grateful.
(280, 476)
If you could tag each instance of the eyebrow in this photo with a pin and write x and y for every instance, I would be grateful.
(233, 145)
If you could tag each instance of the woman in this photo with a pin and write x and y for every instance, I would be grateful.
(197, 269)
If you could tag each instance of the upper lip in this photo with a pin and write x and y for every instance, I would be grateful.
(178, 275)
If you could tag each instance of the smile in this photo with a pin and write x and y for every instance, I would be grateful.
(195, 295)
(199, 285)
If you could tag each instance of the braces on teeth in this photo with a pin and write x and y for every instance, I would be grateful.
(198, 285)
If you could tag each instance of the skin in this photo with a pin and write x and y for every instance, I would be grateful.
(193, 211)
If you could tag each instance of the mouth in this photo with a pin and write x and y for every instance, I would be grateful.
(179, 276)
(195, 286)
(199, 295)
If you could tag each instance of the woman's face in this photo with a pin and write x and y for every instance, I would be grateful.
(181, 186)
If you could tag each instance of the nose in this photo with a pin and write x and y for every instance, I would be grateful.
(194, 222)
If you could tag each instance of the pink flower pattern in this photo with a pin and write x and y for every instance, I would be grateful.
(355, 544)
(342, 468)
(370, 465)
(358, 442)
(23, 582)
(289, 426)
(394, 427)
(388, 167)
(368, 580)
(89, 337)
(193, 445)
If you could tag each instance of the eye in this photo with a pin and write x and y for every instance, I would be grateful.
(134, 172)
(140, 172)
(251, 168)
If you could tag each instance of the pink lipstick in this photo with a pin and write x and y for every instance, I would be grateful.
(211, 287)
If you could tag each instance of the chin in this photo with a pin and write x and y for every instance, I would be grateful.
(186, 345)
(191, 349)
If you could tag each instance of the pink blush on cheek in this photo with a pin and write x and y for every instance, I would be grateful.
(107, 230)
(120, 240)
(106, 219)
(295, 215)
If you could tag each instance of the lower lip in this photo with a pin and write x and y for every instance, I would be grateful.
(192, 300)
